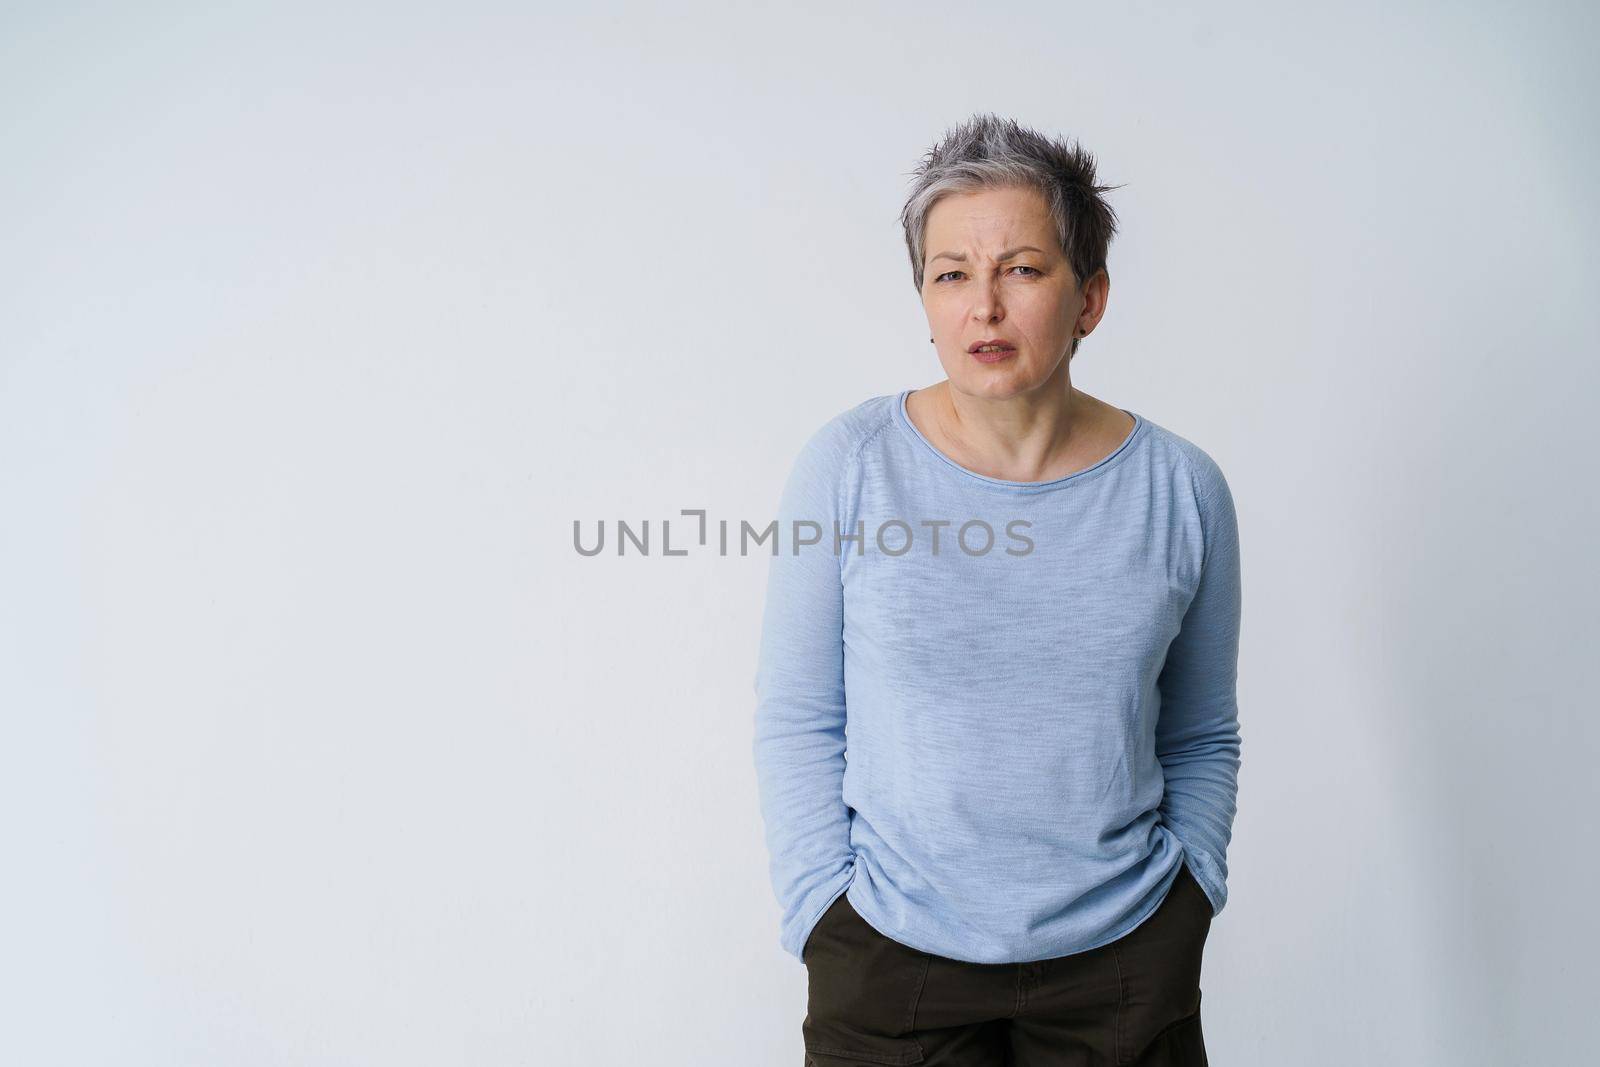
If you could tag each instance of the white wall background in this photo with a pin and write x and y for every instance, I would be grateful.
(321, 744)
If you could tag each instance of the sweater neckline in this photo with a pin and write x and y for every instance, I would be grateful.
(1116, 454)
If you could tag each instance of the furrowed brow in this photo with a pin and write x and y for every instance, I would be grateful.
(961, 257)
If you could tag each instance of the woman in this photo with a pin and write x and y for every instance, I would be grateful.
(996, 738)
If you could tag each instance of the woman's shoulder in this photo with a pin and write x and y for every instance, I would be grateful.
(1182, 452)
(841, 436)
(1193, 466)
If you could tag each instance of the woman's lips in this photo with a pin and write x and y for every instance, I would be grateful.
(994, 357)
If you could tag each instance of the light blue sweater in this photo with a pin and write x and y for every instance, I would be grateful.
(1003, 749)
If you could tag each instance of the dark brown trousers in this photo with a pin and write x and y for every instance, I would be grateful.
(1134, 1002)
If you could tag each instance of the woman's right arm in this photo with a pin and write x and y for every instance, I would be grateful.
(800, 706)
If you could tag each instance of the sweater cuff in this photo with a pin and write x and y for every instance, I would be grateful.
(810, 912)
(1209, 874)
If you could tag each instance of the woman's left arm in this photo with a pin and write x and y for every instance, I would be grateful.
(1197, 732)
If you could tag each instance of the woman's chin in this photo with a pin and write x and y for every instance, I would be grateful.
(996, 381)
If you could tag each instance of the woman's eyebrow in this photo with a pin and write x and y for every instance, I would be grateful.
(961, 257)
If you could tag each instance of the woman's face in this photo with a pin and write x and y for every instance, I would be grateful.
(995, 269)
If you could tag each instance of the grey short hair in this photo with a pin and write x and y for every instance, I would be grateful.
(989, 152)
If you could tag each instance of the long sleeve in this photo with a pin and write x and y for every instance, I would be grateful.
(800, 708)
(1197, 731)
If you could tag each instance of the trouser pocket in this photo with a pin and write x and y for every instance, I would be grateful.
(862, 993)
(1158, 967)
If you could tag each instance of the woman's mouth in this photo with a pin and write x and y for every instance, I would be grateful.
(993, 353)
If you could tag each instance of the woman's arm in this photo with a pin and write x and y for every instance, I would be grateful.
(800, 711)
(1197, 733)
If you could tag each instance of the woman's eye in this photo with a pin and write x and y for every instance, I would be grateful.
(1019, 266)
